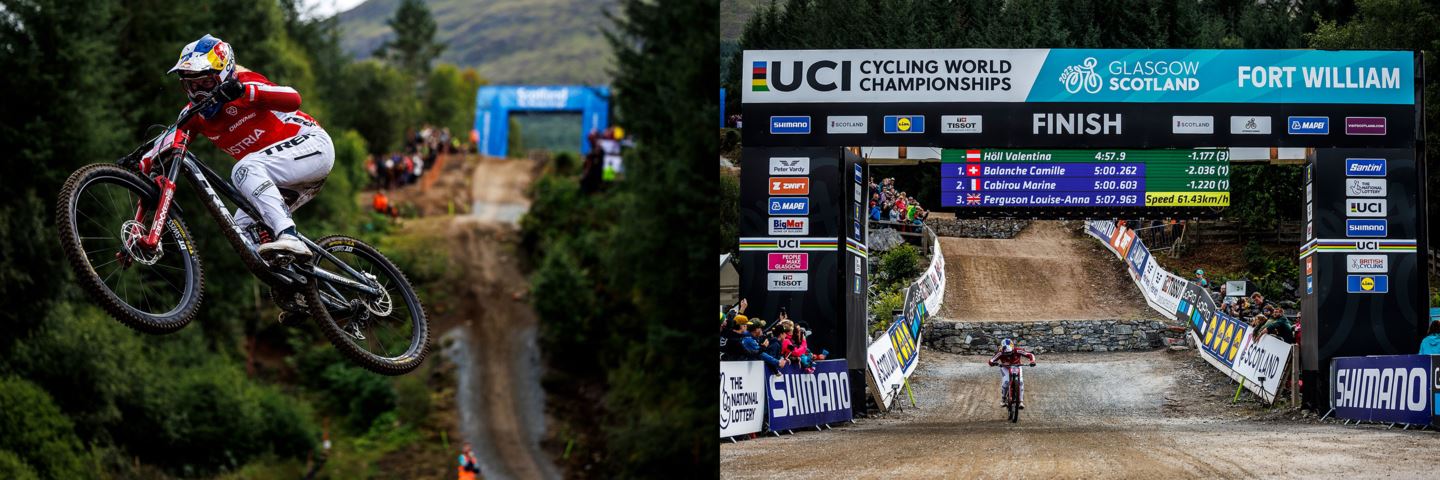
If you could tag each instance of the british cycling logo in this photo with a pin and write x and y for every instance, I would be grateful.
(1081, 77)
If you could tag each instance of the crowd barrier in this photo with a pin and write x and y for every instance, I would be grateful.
(1225, 342)
(892, 357)
(1386, 388)
(754, 400)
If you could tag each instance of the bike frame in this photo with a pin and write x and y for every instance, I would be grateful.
(184, 162)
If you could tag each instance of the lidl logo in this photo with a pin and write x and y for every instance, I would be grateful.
(1308, 125)
(1367, 283)
(904, 124)
(757, 78)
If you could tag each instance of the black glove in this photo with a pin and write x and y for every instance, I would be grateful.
(992, 363)
(229, 91)
(1032, 364)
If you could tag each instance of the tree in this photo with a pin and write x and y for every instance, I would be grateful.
(414, 46)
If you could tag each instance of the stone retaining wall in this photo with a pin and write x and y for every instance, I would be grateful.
(982, 338)
(977, 228)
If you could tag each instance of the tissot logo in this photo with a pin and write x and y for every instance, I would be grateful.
(961, 124)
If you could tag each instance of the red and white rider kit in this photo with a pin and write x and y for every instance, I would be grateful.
(1011, 355)
(275, 144)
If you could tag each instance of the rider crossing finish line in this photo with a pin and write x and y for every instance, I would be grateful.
(1010, 355)
(259, 124)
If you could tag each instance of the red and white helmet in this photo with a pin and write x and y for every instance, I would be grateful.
(204, 64)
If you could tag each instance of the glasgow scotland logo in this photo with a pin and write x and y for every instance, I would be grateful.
(1081, 77)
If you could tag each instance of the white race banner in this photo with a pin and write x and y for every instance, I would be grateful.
(964, 75)
(1262, 363)
(742, 396)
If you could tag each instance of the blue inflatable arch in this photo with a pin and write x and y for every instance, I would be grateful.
(493, 105)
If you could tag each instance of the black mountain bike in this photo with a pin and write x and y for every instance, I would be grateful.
(125, 237)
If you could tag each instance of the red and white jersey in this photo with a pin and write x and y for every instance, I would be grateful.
(1012, 358)
(264, 114)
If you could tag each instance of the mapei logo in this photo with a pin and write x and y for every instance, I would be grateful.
(789, 206)
(789, 125)
(1364, 167)
(1308, 125)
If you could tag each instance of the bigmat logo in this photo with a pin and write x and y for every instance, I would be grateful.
(789, 186)
(789, 226)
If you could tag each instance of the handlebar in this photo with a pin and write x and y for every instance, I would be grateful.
(133, 158)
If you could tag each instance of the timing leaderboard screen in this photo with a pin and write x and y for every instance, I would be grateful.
(1085, 178)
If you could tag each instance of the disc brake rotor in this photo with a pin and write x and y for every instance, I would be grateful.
(380, 306)
(130, 234)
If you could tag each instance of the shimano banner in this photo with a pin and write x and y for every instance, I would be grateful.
(741, 390)
(1079, 75)
(1385, 388)
(797, 399)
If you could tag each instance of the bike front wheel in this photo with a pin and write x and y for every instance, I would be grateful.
(153, 290)
(386, 333)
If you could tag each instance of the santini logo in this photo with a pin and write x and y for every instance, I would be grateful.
(1364, 167)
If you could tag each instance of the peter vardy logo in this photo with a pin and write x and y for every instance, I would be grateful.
(1082, 77)
(789, 206)
(1309, 125)
(1364, 167)
(790, 125)
(1365, 228)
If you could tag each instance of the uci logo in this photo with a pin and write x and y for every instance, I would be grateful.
(765, 77)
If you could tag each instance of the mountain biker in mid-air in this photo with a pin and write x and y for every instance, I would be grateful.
(276, 146)
(1010, 355)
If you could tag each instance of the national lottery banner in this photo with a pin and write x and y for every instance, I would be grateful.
(1385, 388)
(924, 297)
(1078, 75)
(1261, 362)
(889, 361)
(796, 399)
(742, 389)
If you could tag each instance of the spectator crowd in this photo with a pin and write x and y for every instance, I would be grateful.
(783, 343)
(421, 148)
(1265, 316)
(889, 204)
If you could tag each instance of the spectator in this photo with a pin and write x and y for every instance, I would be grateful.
(875, 209)
(1281, 327)
(1200, 279)
(1258, 325)
(731, 340)
(468, 466)
(1430, 345)
(770, 350)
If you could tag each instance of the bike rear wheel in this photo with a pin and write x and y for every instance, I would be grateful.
(387, 334)
(155, 291)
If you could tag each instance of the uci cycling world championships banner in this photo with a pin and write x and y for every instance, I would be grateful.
(1078, 75)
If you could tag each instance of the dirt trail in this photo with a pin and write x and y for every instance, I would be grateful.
(1100, 415)
(1049, 274)
(500, 398)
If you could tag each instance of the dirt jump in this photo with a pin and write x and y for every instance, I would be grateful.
(1047, 272)
(1088, 415)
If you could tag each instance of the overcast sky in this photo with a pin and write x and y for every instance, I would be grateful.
(325, 8)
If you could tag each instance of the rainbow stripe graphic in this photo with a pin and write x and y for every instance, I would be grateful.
(810, 244)
(1384, 245)
(757, 78)
(855, 247)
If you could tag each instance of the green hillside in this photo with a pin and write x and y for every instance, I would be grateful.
(508, 41)
(734, 14)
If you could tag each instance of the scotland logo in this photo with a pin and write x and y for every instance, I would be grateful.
(1081, 77)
